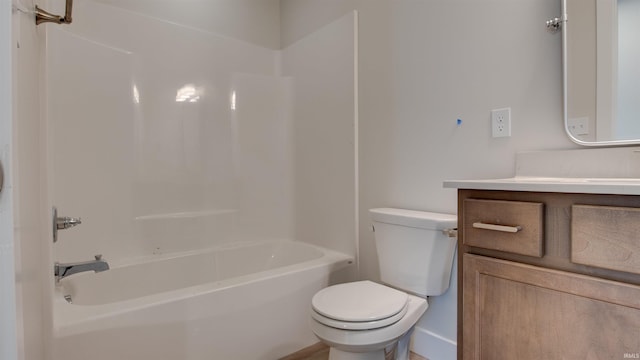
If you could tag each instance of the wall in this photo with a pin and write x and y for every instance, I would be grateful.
(422, 65)
(256, 22)
(248, 20)
(25, 320)
(322, 67)
(8, 337)
(29, 187)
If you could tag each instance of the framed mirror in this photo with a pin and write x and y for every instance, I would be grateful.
(601, 67)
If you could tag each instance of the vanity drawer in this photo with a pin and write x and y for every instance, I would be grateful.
(509, 226)
(607, 237)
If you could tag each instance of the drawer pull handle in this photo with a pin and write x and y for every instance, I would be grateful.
(494, 227)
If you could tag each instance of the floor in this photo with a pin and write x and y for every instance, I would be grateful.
(320, 351)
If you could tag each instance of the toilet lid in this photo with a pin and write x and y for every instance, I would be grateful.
(360, 301)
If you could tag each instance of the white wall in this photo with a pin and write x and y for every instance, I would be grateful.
(322, 67)
(422, 65)
(8, 328)
(29, 181)
(263, 156)
(256, 22)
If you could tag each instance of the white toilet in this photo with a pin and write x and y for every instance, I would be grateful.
(364, 320)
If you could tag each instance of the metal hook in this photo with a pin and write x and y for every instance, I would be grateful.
(43, 16)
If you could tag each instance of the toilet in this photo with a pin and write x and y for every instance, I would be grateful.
(364, 320)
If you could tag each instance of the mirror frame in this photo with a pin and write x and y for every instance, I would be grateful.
(565, 93)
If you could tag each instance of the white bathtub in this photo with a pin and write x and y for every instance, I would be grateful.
(248, 301)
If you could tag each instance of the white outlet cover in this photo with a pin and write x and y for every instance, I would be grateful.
(501, 122)
(578, 126)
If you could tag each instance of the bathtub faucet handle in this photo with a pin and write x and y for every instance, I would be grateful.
(62, 223)
(67, 222)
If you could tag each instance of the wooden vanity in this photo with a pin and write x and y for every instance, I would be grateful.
(547, 274)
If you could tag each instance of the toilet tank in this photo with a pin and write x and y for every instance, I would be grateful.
(413, 252)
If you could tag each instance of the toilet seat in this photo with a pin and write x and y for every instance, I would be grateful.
(360, 305)
(359, 325)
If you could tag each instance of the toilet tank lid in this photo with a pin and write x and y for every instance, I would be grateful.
(413, 218)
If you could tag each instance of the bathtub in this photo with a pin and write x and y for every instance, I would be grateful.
(245, 301)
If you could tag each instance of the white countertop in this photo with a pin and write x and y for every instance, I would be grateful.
(621, 186)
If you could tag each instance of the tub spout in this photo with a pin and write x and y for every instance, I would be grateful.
(63, 270)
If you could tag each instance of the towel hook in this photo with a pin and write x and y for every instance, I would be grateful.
(43, 16)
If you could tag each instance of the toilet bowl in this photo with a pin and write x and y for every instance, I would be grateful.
(364, 320)
(369, 322)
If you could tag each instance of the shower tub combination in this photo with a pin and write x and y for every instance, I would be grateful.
(247, 300)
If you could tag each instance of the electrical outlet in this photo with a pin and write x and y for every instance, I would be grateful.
(501, 122)
(578, 126)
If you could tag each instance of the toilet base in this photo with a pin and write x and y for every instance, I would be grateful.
(336, 354)
(396, 351)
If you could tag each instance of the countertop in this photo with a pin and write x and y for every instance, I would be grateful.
(619, 186)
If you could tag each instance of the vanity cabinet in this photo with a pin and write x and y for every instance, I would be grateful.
(548, 275)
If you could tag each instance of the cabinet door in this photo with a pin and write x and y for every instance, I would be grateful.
(517, 311)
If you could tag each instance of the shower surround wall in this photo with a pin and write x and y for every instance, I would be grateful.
(167, 137)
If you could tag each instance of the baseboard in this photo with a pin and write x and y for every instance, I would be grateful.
(433, 346)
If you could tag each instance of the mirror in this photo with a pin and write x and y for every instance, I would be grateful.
(601, 53)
